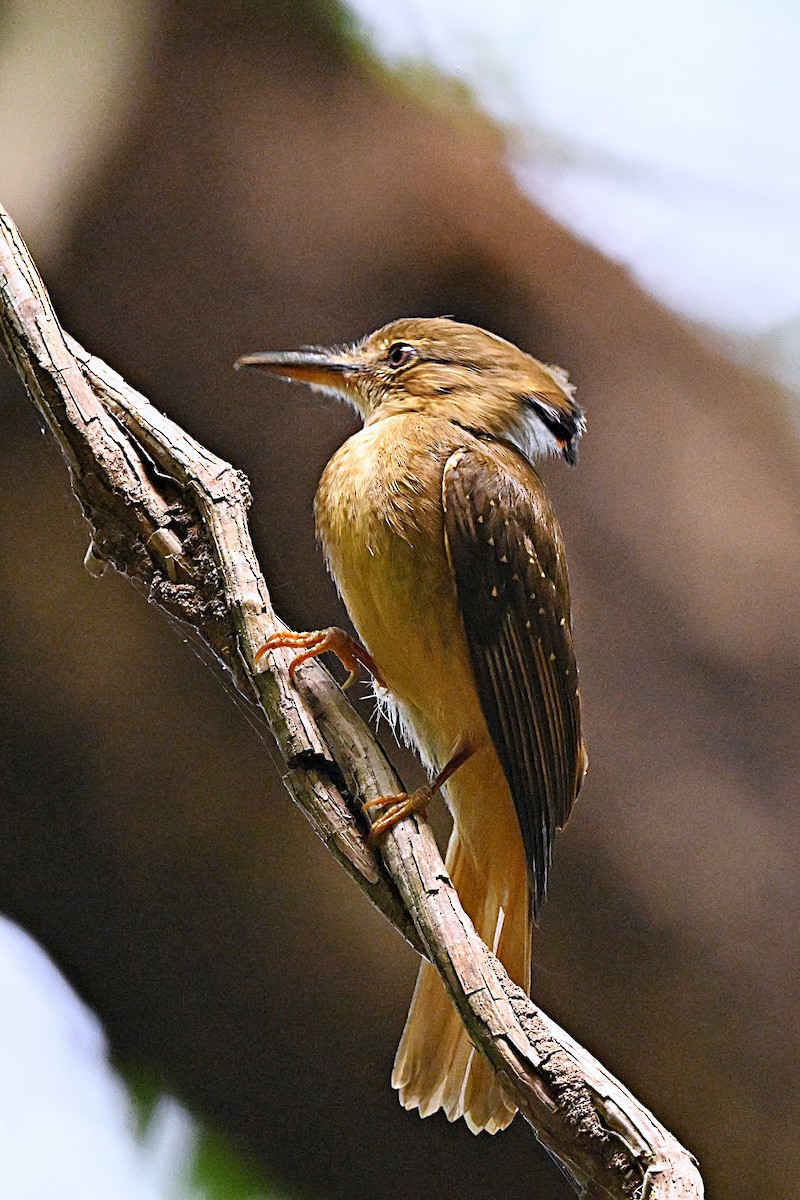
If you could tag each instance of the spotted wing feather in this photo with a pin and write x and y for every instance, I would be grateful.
(506, 553)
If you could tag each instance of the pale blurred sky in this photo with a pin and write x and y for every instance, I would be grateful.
(666, 135)
(66, 1124)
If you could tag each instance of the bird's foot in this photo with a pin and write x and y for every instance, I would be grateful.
(350, 653)
(396, 809)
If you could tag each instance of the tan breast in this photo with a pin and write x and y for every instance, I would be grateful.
(379, 518)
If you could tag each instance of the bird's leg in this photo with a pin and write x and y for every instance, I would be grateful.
(397, 808)
(350, 653)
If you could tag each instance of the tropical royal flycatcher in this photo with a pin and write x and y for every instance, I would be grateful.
(446, 550)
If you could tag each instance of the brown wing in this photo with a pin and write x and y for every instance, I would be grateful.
(507, 557)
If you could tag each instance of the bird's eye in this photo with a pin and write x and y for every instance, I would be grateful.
(399, 354)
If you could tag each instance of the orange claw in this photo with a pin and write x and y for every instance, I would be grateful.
(321, 641)
(397, 808)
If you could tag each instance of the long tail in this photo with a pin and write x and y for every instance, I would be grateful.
(436, 1064)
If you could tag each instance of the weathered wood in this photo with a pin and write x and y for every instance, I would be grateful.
(181, 534)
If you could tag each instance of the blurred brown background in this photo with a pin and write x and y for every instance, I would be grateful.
(269, 187)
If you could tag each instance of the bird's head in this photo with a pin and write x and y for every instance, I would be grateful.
(442, 368)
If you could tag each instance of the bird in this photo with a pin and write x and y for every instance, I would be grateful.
(444, 545)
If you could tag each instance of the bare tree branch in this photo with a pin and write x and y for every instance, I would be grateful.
(172, 517)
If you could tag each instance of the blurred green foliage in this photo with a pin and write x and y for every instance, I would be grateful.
(206, 1167)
